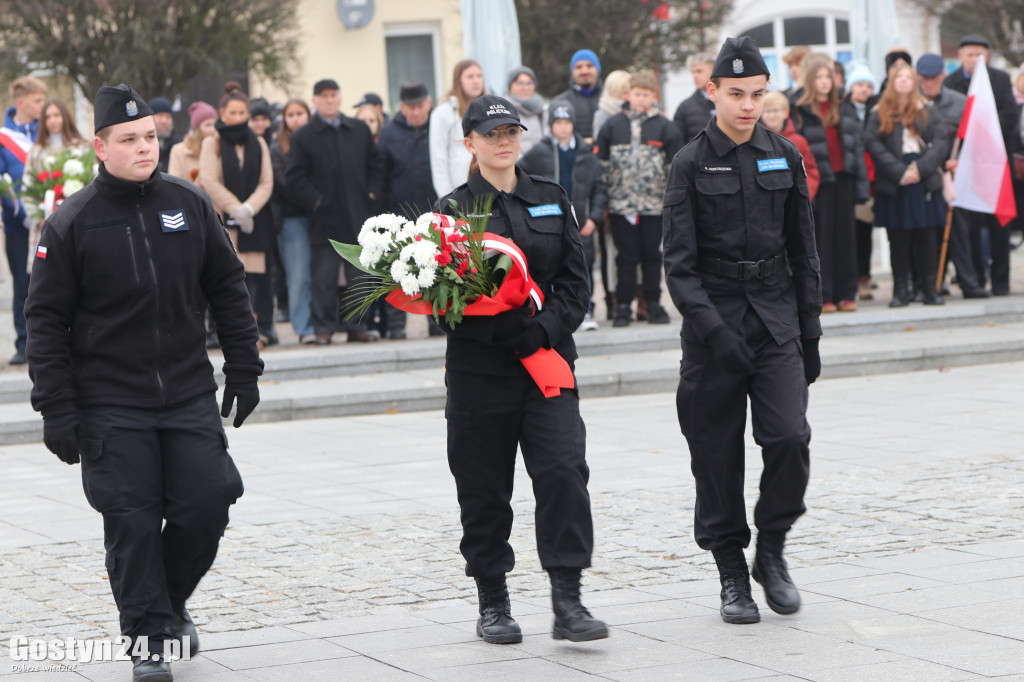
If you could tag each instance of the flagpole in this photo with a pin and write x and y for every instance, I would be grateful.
(941, 270)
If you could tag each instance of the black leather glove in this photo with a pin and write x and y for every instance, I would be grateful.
(248, 394)
(529, 340)
(61, 438)
(730, 351)
(812, 360)
(508, 325)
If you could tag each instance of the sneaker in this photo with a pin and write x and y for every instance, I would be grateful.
(847, 306)
(307, 339)
(19, 356)
(829, 308)
(588, 324)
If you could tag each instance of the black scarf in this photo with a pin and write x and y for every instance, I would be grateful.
(242, 180)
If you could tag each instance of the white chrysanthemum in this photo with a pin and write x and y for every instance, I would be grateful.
(95, 169)
(426, 277)
(399, 269)
(425, 220)
(50, 160)
(76, 152)
(370, 256)
(409, 284)
(72, 186)
(73, 167)
(386, 222)
(423, 253)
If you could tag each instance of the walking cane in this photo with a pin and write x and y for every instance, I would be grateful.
(941, 270)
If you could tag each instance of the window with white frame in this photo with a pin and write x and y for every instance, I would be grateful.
(827, 33)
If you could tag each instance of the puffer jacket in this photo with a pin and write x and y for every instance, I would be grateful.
(851, 137)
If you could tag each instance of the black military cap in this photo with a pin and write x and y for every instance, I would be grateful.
(412, 92)
(119, 104)
(974, 39)
(739, 58)
(325, 84)
(487, 113)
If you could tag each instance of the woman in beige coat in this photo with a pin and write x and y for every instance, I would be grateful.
(184, 161)
(235, 170)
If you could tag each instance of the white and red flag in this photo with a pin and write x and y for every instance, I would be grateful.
(983, 181)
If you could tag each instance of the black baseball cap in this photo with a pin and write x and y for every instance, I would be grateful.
(739, 58)
(487, 113)
(325, 84)
(370, 98)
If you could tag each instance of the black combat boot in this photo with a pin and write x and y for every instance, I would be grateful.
(738, 606)
(770, 570)
(572, 621)
(495, 624)
(182, 626)
(900, 294)
(153, 668)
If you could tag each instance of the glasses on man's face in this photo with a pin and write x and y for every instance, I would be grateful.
(494, 136)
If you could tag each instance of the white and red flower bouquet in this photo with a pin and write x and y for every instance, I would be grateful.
(449, 268)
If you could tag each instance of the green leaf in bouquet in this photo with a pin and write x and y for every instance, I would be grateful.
(362, 294)
(351, 253)
(500, 268)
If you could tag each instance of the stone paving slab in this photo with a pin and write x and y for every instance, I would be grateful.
(341, 560)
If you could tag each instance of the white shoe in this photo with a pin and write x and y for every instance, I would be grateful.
(588, 324)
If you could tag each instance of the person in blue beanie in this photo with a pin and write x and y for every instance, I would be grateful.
(584, 91)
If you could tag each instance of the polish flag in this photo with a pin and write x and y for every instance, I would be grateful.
(982, 181)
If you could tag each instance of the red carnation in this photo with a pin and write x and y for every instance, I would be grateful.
(444, 258)
(58, 191)
(43, 176)
(56, 174)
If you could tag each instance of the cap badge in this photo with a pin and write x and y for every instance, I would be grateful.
(737, 66)
(562, 112)
(131, 108)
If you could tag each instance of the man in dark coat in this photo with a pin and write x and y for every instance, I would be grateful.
(694, 112)
(404, 144)
(584, 91)
(336, 172)
(972, 48)
(164, 118)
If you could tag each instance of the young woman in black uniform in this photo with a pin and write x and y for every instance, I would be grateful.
(493, 404)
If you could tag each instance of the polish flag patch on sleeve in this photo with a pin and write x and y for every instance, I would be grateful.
(41, 252)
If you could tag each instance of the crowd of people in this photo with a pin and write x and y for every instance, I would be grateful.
(875, 157)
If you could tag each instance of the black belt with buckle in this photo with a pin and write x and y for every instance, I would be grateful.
(744, 269)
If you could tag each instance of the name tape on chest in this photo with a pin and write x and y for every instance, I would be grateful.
(718, 168)
(766, 165)
(173, 221)
(546, 209)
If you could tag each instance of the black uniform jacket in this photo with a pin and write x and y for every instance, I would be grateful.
(116, 304)
(887, 152)
(741, 203)
(332, 173)
(550, 239)
(589, 193)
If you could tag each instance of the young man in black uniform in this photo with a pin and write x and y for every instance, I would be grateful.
(494, 407)
(117, 356)
(742, 267)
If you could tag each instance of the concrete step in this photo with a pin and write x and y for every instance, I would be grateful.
(294, 362)
(405, 388)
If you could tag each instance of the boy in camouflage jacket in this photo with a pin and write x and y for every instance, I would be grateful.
(636, 147)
